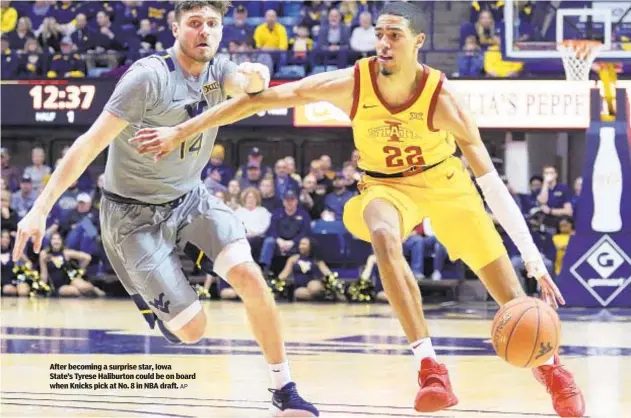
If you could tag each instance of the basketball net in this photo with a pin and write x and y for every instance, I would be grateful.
(578, 56)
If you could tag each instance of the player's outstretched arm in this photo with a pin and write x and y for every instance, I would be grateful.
(452, 116)
(82, 152)
(333, 86)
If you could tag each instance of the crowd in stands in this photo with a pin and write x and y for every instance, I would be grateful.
(280, 209)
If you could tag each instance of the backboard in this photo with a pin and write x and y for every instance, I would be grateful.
(537, 28)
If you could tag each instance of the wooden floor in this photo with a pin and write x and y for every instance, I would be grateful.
(351, 360)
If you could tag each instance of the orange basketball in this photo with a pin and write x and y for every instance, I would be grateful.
(526, 332)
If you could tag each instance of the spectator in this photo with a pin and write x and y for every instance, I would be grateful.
(325, 165)
(269, 199)
(554, 198)
(255, 218)
(363, 37)
(83, 210)
(107, 39)
(496, 66)
(98, 192)
(10, 61)
(24, 31)
(32, 60)
(238, 31)
(165, 36)
(288, 226)
(38, 170)
(271, 34)
(234, 189)
(355, 159)
(333, 40)
(485, 30)
(37, 13)
(254, 156)
(9, 216)
(10, 286)
(334, 202)
(253, 176)
(305, 270)
(83, 37)
(529, 201)
(157, 12)
(217, 164)
(65, 12)
(8, 15)
(50, 36)
(213, 182)
(249, 53)
(349, 12)
(81, 226)
(578, 187)
(67, 64)
(129, 15)
(324, 184)
(147, 35)
(291, 168)
(310, 198)
(351, 177)
(282, 181)
(300, 44)
(312, 15)
(561, 240)
(54, 264)
(23, 200)
(470, 61)
(10, 174)
(66, 203)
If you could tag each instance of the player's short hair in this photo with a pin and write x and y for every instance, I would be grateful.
(408, 10)
(186, 5)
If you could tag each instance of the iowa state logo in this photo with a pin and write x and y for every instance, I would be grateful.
(604, 270)
(393, 132)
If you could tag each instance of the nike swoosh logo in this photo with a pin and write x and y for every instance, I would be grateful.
(417, 345)
(449, 176)
(369, 106)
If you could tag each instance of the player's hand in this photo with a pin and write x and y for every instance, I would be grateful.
(33, 225)
(550, 293)
(257, 75)
(158, 141)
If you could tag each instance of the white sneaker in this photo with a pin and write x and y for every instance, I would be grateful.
(436, 275)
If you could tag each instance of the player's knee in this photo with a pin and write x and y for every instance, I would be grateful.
(386, 243)
(193, 330)
(246, 279)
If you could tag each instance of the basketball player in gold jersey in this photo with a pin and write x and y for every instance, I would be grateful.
(407, 122)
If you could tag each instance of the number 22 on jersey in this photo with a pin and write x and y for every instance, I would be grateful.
(406, 157)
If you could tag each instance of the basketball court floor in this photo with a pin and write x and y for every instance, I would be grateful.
(351, 360)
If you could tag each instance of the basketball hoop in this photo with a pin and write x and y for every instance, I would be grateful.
(578, 56)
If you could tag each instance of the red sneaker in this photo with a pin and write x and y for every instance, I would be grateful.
(435, 392)
(567, 398)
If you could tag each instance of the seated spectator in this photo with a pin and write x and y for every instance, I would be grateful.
(324, 184)
(495, 8)
(269, 198)
(24, 31)
(578, 187)
(325, 165)
(305, 270)
(311, 198)
(255, 218)
(334, 202)
(421, 241)
(129, 15)
(50, 36)
(165, 36)
(66, 203)
(484, 29)
(108, 37)
(234, 189)
(254, 156)
(561, 240)
(37, 12)
(351, 177)
(496, 66)
(57, 271)
(288, 226)
(333, 40)
(363, 37)
(554, 198)
(271, 34)
(67, 64)
(83, 37)
(10, 284)
(9, 216)
(529, 201)
(83, 220)
(147, 36)
(248, 53)
(213, 182)
(282, 181)
(38, 170)
(157, 12)
(312, 15)
(10, 173)
(300, 44)
(253, 176)
(32, 62)
(216, 163)
(22, 201)
(470, 61)
(10, 60)
(349, 11)
(238, 31)
(9, 17)
(291, 168)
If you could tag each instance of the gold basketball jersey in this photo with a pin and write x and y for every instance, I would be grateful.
(392, 139)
